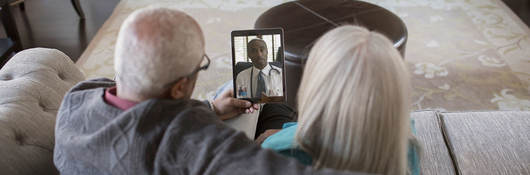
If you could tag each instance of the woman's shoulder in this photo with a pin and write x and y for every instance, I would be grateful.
(283, 139)
(283, 142)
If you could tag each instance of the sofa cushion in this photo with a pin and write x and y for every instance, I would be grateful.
(489, 142)
(32, 85)
(434, 156)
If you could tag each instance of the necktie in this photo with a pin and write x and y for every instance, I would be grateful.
(261, 85)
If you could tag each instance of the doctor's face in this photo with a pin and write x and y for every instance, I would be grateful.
(257, 52)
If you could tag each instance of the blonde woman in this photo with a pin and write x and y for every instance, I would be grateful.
(353, 107)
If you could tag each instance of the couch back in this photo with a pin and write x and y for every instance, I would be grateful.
(488, 142)
(32, 86)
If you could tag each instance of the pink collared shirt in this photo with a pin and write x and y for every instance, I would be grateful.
(111, 98)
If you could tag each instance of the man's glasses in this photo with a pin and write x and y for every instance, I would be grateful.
(205, 63)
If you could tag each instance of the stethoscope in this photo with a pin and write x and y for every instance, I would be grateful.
(252, 76)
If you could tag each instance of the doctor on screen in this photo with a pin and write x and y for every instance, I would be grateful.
(262, 77)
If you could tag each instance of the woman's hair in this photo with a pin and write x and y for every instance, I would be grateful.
(353, 103)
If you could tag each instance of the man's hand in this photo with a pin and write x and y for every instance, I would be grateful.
(261, 138)
(226, 106)
(270, 99)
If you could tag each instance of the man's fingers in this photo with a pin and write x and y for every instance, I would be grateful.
(241, 103)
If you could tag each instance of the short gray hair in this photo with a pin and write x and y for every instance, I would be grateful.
(155, 47)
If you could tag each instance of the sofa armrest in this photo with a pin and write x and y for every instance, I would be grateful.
(32, 86)
(489, 142)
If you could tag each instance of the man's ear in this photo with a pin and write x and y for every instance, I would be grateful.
(179, 89)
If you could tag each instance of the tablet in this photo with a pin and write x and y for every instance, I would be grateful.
(257, 65)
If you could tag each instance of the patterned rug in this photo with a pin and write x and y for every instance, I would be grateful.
(464, 55)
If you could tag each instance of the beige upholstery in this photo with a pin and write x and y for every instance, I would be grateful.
(489, 142)
(32, 85)
(435, 158)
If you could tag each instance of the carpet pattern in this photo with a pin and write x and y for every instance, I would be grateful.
(463, 55)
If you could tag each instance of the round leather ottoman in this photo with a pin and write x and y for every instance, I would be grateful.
(305, 21)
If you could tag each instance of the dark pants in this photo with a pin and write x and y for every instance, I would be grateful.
(273, 116)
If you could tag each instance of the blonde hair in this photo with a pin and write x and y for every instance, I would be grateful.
(353, 103)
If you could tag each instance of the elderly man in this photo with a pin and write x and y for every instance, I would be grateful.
(145, 122)
(262, 77)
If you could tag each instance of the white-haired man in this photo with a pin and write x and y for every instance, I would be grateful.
(145, 122)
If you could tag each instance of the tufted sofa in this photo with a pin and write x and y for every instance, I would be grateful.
(32, 85)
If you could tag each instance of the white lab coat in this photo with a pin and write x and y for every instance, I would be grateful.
(272, 78)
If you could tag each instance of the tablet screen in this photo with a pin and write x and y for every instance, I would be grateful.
(257, 59)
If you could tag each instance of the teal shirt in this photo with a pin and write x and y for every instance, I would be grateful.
(284, 143)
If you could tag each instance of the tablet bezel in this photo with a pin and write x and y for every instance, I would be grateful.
(268, 31)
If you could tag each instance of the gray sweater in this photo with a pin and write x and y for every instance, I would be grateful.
(156, 136)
